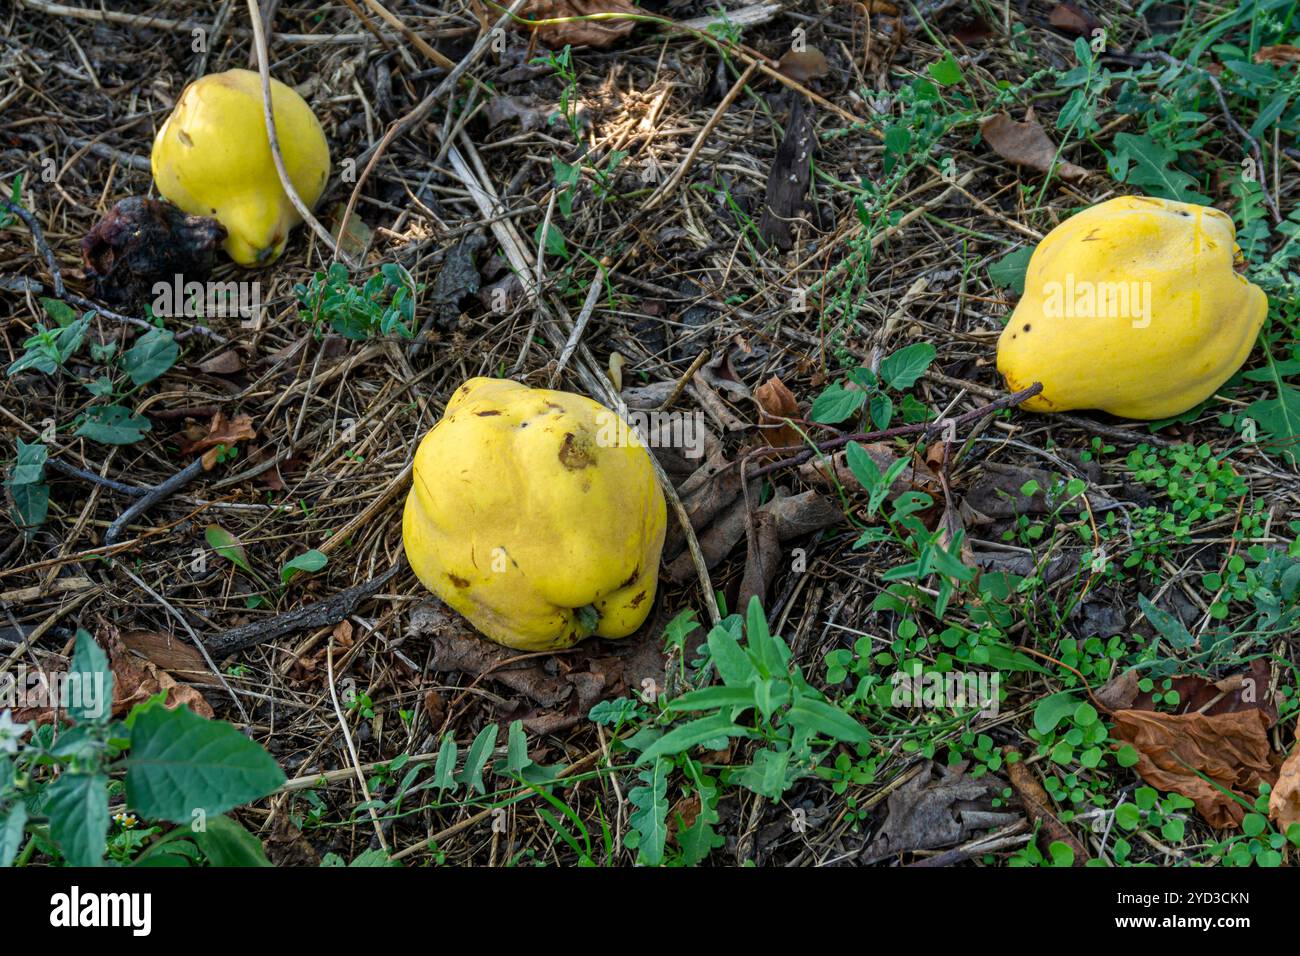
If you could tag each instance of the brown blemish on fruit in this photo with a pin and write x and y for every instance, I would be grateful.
(630, 581)
(488, 413)
(575, 454)
(459, 582)
(1026, 326)
(636, 601)
(1092, 236)
(185, 141)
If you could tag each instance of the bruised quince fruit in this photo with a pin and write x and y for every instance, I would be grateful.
(535, 514)
(212, 157)
(1132, 307)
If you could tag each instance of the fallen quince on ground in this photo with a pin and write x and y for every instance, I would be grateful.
(1132, 307)
(537, 515)
(212, 157)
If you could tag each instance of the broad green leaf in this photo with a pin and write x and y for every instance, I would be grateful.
(477, 757)
(59, 311)
(444, 771)
(808, 715)
(733, 664)
(31, 504)
(835, 404)
(1009, 271)
(77, 805)
(30, 465)
(153, 354)
(683, 738)
(228, 546)
(12, 821)
(863, 466)
(1171, 628)
(516, 748)
(1050, 711)
(225, 843)
(308, 562)
(901, 369)
(710, 698)
(947, 72)
(89, 692)
(768, 776)
(182, 767)
(113, 425)
(760, 640)
(1280, 418)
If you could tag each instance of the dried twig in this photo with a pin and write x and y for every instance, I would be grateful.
(165, 490)
(38, 237)
(321, 614)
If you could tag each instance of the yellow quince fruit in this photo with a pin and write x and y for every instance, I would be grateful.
(537, 515)
(1132, 307)
(212, 157)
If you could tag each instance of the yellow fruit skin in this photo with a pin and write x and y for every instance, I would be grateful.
(527, 505)
(212, 157)
(1189, 324)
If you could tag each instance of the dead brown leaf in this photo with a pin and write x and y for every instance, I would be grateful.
(179, 658)
(601, 34)
(1247, 690)
(135, 680)
(221, 431)
(926, 813)
(776, 402)
(1026, 144)
(1279, 54)
(1284, 801)
(804, 66)
(1074, 19)
(1175, 750)
(549, 693)
(1038, 805)
(223, 363)
(762, 559)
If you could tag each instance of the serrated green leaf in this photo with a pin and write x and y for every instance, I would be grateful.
(183, 767)
(901, 369)
(700, 838)
(1152, 168)
(77, 805)
(650, 817)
